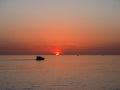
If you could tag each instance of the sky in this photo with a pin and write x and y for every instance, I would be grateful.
(64, 26)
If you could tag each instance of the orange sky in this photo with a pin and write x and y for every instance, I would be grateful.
(70, 27)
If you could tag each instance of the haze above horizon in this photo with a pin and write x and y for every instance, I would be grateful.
(59, 26)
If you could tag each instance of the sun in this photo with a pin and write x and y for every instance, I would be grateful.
(57, 53)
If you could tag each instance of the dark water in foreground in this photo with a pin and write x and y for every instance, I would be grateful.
(60, 73)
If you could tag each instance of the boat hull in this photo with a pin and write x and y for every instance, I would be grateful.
(39, 58)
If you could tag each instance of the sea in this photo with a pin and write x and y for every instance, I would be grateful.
(63, 72)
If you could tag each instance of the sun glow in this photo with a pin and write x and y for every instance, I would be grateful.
(57, 53)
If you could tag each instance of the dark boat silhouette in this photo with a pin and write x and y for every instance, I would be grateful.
(40, 58)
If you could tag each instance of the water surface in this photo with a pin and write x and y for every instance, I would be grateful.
(67, 72)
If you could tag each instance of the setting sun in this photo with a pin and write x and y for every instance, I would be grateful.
(57, 53)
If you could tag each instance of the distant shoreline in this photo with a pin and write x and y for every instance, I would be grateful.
(62, 54)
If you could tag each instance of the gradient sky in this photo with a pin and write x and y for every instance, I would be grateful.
(65, 26)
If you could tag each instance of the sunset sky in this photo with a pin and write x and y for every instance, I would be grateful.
(65, 26)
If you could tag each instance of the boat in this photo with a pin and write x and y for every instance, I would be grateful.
(40, 58)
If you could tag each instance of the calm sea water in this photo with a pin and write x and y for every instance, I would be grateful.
(83, 72)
